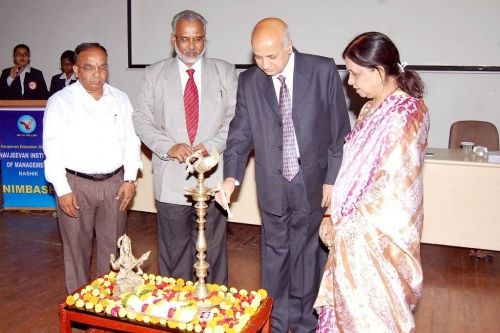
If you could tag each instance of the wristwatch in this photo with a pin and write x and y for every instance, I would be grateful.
(131, 182)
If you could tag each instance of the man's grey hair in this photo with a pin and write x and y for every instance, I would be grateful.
(188, 15)
(286, 35)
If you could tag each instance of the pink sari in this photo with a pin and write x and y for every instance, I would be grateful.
(373, 277)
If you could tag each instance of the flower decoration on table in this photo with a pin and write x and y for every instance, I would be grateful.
(171, 303)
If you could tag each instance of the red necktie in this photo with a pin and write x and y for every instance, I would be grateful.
(191, 106)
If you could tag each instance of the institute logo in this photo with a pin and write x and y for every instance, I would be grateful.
(26, 124)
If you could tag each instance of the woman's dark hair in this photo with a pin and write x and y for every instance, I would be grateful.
(21, 46)
(87, 46)
(374, 49)
(68, 54)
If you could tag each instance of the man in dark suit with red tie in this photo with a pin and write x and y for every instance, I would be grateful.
(22, 81)
(291, 110)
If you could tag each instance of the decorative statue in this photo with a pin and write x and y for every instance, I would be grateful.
(127, 279)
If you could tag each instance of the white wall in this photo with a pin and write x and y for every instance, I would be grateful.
(52, 26)
(430, 32)
(49, 27)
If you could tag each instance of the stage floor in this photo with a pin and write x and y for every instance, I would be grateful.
(460, 295)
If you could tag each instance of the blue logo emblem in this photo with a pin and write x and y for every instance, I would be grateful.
(26, 124)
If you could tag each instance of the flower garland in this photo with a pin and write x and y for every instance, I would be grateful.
(171, 303)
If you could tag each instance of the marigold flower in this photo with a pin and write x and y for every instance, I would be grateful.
(70, 300)
(122, 312)
(80, 303)
(262, 293)
(172, 324)
(89, 305)
(98, 308)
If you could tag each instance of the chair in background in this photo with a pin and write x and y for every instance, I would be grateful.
(482, 133)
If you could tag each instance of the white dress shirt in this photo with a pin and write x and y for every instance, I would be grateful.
(66, 80)
(88, 135)
(185, 76)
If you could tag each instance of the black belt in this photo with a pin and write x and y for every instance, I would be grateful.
(96, 177)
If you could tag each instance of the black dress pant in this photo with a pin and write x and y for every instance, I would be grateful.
(177, 234)
(292, 259)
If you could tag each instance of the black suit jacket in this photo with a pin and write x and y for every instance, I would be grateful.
(56, 84)
(34, 86)
(320, 120)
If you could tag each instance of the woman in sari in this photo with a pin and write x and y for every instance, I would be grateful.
(373, 277)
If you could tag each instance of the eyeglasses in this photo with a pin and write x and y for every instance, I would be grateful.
(90, 68)
(185, 40)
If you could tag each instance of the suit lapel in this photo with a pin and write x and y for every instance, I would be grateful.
(173, 83)
(16, 87)
(173, 100)
(210, 93)
(27, 80)
(301, 82)
(268, 91)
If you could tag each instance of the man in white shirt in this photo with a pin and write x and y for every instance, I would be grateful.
(185, 104)
(92, 158)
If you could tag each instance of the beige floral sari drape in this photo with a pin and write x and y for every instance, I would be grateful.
(373, 277)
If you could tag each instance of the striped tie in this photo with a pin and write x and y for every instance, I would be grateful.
(290, 157)
(191, 106)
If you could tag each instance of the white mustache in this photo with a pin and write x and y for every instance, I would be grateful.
(186, 56)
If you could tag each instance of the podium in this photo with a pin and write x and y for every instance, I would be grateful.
(21, 155)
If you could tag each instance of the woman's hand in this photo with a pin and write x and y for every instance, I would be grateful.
(326, 232)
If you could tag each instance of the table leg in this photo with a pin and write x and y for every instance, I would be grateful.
(267, 326)
(64, 323)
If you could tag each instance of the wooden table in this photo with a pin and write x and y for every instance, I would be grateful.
(259, 322)
(461, 200)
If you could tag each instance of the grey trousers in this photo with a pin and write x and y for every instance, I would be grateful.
(292, 260)
(177, 233)
(100, 212)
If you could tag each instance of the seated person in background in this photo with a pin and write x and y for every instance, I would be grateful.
(67, 77)
(22, 81)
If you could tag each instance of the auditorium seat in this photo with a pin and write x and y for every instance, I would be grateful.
(482, 133)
